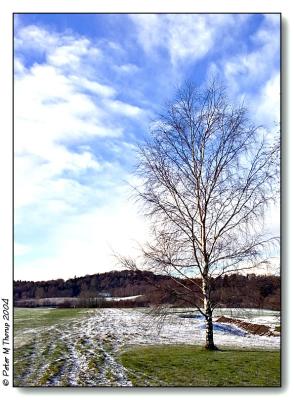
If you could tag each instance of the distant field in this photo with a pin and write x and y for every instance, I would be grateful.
(26, 318)
(192, 366)
(119, 347)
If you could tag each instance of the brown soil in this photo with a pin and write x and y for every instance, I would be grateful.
(255, 329)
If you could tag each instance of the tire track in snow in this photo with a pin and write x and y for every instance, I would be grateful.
(84, 345)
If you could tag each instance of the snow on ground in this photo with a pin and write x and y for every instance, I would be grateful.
(90, 344)
(134, 327)
(254, 316)
(123, 298)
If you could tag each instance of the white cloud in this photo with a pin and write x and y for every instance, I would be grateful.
(60, 107)
(60, 49)
(39, 184)
(127, 68)
(123, 108)
(251, 68)
(19, 68)
(187, 37)
(34, 37)
(51, 106)
(72, 54)
(48, 107)
(251, 75)
(95, 87)
(267, 103)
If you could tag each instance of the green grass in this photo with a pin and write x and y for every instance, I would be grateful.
(28, 318)
(56, 360)
(193, 366)
(22, 364)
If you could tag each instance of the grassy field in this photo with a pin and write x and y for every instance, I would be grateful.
(86, 347)
(28, 318)
(192, 366)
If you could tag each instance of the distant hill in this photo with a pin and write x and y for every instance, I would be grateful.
(229, 291)
(114, 283)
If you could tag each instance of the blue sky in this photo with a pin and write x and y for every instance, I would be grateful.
(87, 88)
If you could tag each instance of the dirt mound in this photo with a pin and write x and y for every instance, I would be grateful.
(255, 329)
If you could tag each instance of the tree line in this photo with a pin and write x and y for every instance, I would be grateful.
(235, 290)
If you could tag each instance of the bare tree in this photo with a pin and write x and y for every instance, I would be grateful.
(208, 176)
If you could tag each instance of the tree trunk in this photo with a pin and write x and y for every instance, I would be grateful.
(209, 343)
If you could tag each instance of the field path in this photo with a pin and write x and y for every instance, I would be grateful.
(72, 353)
